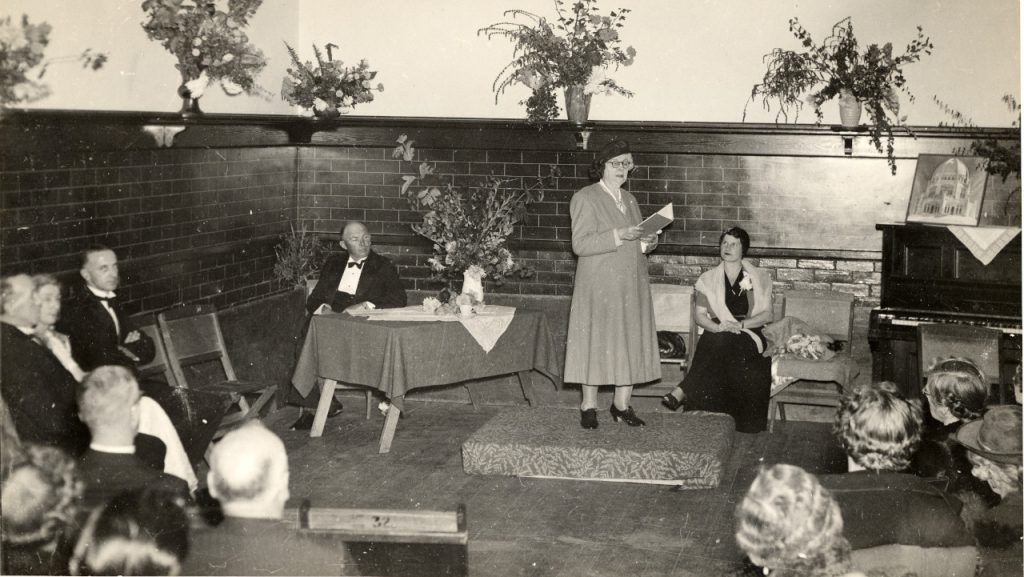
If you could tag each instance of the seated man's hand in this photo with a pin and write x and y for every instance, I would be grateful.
(363, 306)
(132, 337)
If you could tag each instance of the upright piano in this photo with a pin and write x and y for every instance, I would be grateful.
(929, 276)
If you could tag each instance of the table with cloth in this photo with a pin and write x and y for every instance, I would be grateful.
(398, 350)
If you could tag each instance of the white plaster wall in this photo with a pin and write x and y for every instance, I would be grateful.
(697, 59)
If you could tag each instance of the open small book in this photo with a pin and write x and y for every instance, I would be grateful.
(657, 221)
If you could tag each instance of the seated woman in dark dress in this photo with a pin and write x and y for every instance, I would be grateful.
(730, 373)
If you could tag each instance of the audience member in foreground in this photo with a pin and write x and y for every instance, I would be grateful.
(791, 526)
(153, 421)
(41, 498)
(730, 373)
(611, 336)
(957, 393)
(249, 476)
(108, 401)
(896, 522)
(38, 390)
(138, 532)
(355, 279)
(994, 443)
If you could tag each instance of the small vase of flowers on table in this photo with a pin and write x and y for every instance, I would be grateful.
(470, 226)
(329, 88)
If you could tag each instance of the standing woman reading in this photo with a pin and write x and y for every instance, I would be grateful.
(730, 373)
(612, 339)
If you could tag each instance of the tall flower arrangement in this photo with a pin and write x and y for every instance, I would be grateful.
(574, 50)
(22, 61)
(209, 43)
(468, 226)
(329, 87)
(839, 68)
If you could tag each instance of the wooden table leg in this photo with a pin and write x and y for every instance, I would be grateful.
(526, 383)
(390, 422)
(323, 407)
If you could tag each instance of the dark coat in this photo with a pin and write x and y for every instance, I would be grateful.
(94, 338)
(379, 284)
(40, 393)
(107, 474)
(259, 547)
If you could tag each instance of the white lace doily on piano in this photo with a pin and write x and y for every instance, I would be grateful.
(984, 242)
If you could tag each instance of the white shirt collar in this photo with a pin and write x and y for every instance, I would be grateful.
(122, 450)
(99, 293)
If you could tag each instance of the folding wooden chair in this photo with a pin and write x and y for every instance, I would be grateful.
(819, 383)
(192, 335)
(978, 344)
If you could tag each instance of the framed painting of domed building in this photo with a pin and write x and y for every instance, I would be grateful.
(947, 189)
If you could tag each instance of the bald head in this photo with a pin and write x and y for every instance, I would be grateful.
(249, 472)
(356, 240)
(18, 301)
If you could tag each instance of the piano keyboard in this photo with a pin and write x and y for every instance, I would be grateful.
(1006, 325)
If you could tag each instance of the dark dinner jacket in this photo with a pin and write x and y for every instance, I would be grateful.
(107, 474)
(94, 338)
(379, 284)
(39, 392)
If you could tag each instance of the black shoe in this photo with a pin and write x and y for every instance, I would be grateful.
(671, 402)
(335, 410)
(628, 416)
(588, 419)
(304, 423)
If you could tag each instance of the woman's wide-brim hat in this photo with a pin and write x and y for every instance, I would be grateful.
(609, 151)
(996, 436)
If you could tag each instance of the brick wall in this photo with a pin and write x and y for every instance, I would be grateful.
(190, 225)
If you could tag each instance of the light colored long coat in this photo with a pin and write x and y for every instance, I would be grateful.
(612, 339)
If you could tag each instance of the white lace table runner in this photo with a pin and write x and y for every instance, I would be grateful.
(486, 326)
(984, 242)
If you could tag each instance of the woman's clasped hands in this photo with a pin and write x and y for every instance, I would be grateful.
(730, 327)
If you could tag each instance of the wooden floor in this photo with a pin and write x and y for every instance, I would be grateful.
(545, 527)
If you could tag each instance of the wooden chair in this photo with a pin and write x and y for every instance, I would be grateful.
(978, 344)
(192, 335)
(389, 541)
(310, 285)
(673, 311)
(819, 383)
(146, 324)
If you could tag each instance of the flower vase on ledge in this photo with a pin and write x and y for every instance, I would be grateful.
(329, 113)
(189, 105)
(577, 104)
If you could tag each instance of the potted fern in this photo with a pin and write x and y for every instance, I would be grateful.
(572, 52)
(299, 257)
(838, 68)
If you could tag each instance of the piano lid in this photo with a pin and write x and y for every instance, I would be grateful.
(927, 268)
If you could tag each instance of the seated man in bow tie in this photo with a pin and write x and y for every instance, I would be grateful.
(354, 279)
(94, 321)
(357, 278)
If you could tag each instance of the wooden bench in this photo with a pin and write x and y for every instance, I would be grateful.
(390, 541)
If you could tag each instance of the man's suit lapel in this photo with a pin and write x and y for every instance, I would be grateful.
(100, 314)
(369, 272)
